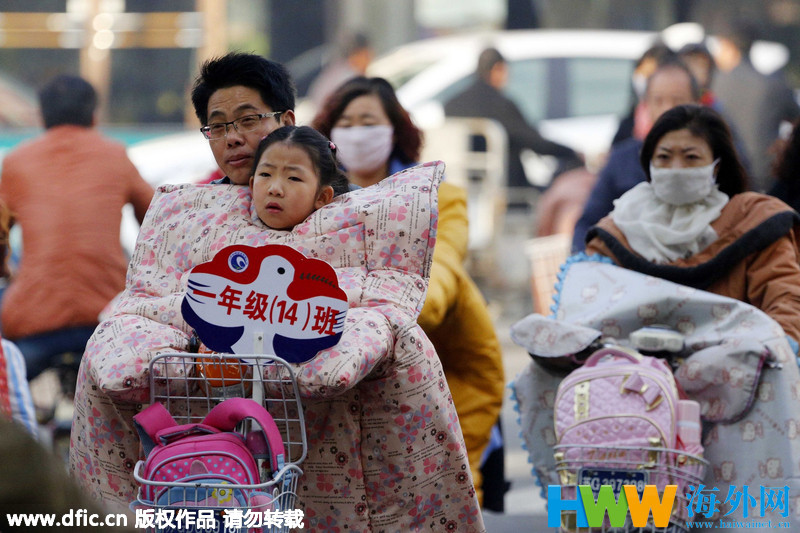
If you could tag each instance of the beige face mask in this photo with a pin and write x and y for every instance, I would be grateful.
(682, 186)
(363, 148)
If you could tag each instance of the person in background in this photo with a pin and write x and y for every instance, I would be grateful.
(15, 394)
(66, 188)
(755, 103)
(786, 169)
(637, 122)
(33, 480)
(700, 61)
(484, 98)
(353, 57)
(671, 84)
(375, 138)
(692, 221)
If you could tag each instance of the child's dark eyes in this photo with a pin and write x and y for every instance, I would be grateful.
(295, 178)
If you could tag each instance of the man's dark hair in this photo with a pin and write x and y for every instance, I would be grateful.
(699, 50)
(355, 42)
(488, 59)
(659, 52)
(68, 100)
(272, 81)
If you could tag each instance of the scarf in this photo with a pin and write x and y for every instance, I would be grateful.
(663, 233)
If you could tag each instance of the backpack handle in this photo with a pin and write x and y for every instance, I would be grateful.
(171, 434)
(226, 415)
(593, 359)
(150, 422)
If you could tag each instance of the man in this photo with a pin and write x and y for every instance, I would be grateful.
(485, 99)
(637, 123)
(756, 104)
(356, 54)
(66, 189)
(670, 85)
(239, 99)
(700, 61)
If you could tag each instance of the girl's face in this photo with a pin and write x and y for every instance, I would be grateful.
(286, 187)
(682, 149)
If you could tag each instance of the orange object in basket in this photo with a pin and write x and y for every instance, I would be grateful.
(218, 372)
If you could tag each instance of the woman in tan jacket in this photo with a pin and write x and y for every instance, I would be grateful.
(693, 223)
(376, 138)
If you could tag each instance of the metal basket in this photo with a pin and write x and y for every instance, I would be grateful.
(595, 465)
(189, 385)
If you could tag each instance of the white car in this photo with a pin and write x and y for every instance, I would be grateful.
(573, 85)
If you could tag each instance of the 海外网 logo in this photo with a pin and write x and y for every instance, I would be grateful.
(700, 502)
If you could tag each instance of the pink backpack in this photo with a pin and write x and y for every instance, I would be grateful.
(207, 455)
(613, 415)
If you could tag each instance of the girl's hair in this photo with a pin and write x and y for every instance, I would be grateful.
(321, 151)
(703, 122)
(408, 137)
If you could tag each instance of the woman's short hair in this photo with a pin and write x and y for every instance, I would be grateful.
(320, 150)
(407, 136)
(703, 122)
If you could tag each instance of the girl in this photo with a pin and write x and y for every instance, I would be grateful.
(294, 174)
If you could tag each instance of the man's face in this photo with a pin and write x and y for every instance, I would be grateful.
(668, 88)
(234, 152)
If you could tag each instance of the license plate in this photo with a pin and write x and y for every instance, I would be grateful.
(597, 477)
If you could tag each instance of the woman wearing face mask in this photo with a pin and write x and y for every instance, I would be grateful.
(376, 138)
(693, 223)
(374, 135)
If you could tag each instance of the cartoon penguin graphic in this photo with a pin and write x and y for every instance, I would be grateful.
(293, 301)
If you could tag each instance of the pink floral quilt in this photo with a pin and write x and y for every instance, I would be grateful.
(386, 452)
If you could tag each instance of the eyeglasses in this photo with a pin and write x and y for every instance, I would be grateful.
(243, 124)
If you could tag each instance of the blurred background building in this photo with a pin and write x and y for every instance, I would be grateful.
(142, 54)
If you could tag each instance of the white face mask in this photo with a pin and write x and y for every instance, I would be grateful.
(363, 148)
(639, 82)
(681, 186)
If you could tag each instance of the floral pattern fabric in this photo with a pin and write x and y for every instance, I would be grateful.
(385, 449)
(741, 370)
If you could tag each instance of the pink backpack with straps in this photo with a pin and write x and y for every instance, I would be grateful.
(207, 455)
(616, 413)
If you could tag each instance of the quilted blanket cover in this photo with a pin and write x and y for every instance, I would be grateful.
(741, 370)
(386, 452)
